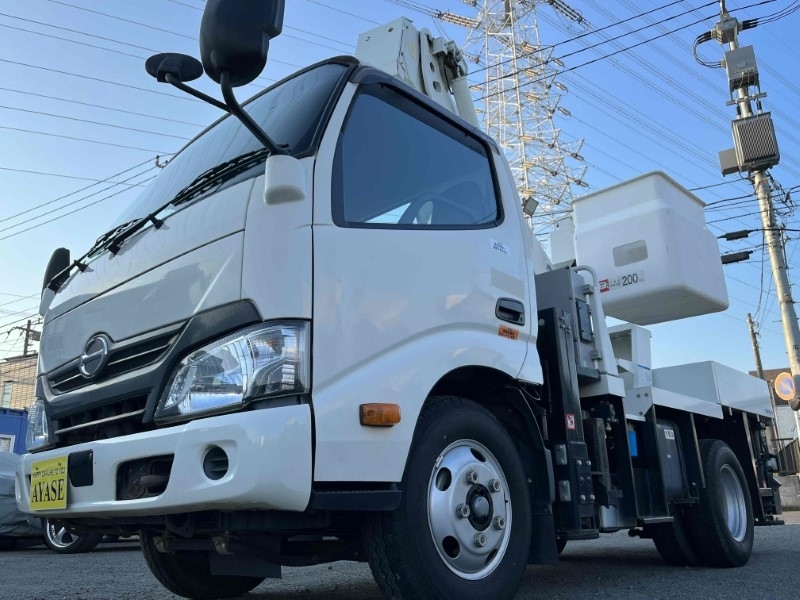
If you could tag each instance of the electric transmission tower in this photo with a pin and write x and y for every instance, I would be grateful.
(519, 98)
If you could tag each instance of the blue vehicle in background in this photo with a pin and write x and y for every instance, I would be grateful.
(13, 425)
(18, 529)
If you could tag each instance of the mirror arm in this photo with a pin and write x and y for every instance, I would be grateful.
(197, 94)
(236, 110)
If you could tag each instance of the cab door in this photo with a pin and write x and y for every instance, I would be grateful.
(417, 272)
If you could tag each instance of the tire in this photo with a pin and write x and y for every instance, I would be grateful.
(188, 574)
(561, 543)
(722, 530)
(424, 550)
(674, 544)
(62, 540)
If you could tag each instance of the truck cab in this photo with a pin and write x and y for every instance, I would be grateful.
(326, 332)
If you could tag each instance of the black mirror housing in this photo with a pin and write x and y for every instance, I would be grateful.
(59, 262)
(181, 66)
(235, 35)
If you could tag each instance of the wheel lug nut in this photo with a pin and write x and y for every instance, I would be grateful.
(495, 485)
(462, 511)
(499, 523)
(480, 540)
(472, 477)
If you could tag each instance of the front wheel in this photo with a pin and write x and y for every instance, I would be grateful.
(463, 529)
(63, 540)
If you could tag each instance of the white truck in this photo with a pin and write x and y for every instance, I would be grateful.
(326, 332)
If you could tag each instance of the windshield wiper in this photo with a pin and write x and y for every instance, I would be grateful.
(201, 184)
(113, 239)
(221, 173)
(100, 242)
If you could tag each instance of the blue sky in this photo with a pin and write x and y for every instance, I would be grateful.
(650, 108)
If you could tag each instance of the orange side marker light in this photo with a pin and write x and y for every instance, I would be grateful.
(379, 415)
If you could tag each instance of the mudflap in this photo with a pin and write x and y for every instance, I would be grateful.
(543, 537)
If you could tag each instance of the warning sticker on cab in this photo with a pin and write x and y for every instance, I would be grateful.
(606, 285)
(508, 332)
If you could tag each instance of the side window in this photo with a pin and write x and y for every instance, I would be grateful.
(5, 401)
(398, 165)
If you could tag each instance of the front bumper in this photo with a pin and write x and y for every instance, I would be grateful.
(269, 454)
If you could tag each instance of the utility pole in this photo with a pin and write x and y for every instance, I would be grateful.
(31, 335)
(755, 152)
(760, 372)
(756, 350)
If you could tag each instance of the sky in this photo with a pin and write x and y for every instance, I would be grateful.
(77, 109)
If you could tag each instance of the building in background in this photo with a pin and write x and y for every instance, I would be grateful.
(18, 381)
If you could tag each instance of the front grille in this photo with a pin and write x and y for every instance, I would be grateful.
(123, 358)
(123, 417)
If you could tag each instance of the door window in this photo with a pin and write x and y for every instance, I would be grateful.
(399, 165)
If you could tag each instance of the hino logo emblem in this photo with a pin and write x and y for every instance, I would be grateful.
(94, 356)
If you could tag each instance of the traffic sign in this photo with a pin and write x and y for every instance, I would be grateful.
(784, 386)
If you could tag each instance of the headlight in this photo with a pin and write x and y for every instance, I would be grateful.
(258, 362)
(38, 433)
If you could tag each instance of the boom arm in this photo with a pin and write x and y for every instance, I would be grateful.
(432, 66)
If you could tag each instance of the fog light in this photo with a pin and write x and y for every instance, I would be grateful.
(215, 463)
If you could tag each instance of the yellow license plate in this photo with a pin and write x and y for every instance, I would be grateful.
(49, 484)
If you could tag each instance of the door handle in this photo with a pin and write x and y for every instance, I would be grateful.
(511, 311)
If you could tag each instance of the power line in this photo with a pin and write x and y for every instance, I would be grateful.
(47, 114)
(19, 298)
(63, 39)
(713, 185)
(105, 81)
(74, 202)
(598, 59)
(92, 35)
(60, 175)
(319, 35)
(608, 40)
(344, 12)
(101, 106)
(73, 211)
(87, 140)
(183, 35)
(25, 318)
(83, 189)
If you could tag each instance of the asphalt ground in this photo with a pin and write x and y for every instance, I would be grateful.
(614, 566)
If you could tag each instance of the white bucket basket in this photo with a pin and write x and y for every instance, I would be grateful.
(648, 242)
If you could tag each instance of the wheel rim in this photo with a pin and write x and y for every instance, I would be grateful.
(59, 536)
(470, 542)
(733, 503)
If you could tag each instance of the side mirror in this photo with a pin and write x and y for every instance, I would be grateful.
(235, 35)
(182, 67)
(59, 262)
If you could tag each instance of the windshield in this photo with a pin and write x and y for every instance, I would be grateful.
(290, 112)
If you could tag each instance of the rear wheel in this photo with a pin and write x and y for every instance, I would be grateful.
(463, 528)
(722, 530)
(65, 540)
(188, 574)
